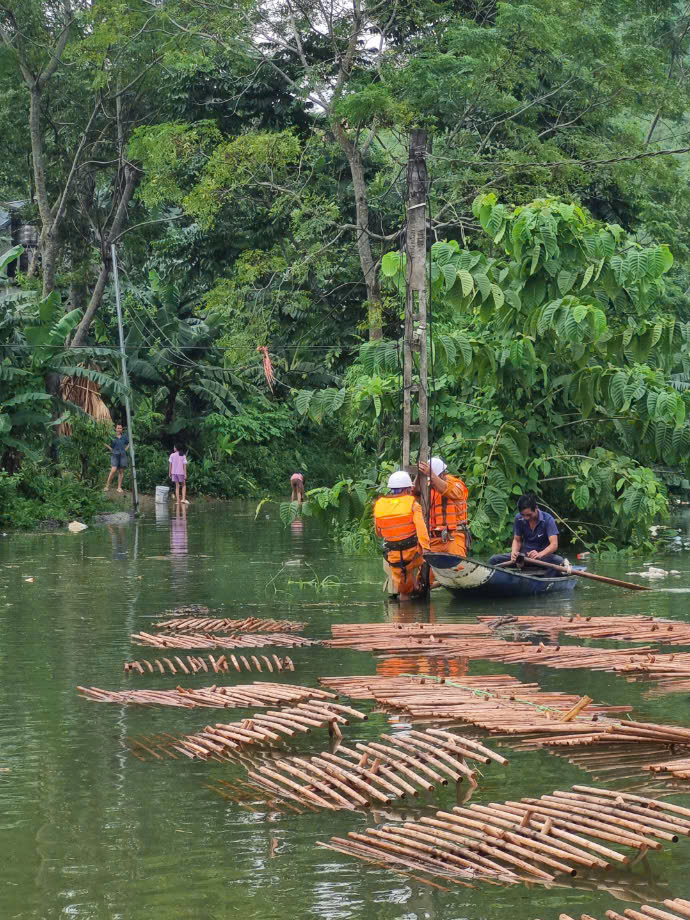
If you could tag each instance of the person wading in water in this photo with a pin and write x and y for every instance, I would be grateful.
(297, 483)
(399, 520)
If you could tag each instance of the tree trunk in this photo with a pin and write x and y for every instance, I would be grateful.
(169, 414)
(82, 329)
(48, 248)
(366, 258)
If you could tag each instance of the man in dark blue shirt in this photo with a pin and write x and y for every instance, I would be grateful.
(535, 534)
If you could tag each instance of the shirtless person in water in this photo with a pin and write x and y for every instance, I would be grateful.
(297, 483)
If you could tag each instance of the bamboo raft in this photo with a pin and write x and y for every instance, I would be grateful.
(389, 769)
(224, 740)
(245, 696)
(533, 840)
(496, 703)
(551, 720)
(626, 629)
(676, 909)
(671, 671)
(372, 637)
(198, 664)
(247, 625)
(208, 640)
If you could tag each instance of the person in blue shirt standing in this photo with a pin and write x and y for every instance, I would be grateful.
(535, 534)
(118, 457)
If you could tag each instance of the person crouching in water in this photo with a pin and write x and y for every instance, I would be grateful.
(399, 521)
(448, 530)
(297, 483)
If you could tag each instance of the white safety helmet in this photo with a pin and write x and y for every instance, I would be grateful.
(399, 480)
(438, 466)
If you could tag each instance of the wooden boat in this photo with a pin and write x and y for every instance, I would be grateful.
(469, 577)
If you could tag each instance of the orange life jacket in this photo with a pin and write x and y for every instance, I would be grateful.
(448, 513)
(394, 519)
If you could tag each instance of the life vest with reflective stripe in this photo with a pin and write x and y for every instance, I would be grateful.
(394, 519)
(448, 513)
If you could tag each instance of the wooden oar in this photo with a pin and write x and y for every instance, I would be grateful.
(591, 575)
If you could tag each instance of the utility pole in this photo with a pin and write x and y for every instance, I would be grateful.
(125, 381)
(415, 331)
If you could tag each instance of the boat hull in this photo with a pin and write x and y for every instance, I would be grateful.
(468, 577)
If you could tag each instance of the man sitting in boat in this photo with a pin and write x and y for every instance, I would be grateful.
(448, 530)
(535, 534)
(399, 520)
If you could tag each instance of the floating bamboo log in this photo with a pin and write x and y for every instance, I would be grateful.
(675, 909)
(628, 629)
(533, 840)
(221, 665)
(208, 640)
(247, 625)
(246, 696)
(373, 773)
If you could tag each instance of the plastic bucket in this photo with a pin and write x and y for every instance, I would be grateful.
(162, 494)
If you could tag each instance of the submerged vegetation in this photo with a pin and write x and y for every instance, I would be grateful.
(251, 171)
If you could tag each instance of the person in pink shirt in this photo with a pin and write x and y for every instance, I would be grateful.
(178, 472)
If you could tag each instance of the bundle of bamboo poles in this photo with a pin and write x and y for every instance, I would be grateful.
(247, 625)
(677, 909)
(378, 772)
(496, 703)
(223, 740)
(246, 696)
(551, 720)
(196, 664)
(639, 664)
(628, 629)
(369, 687)
(207, 640)
(530, 840)
(371, 637)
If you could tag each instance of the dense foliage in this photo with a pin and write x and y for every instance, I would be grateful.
(248, 160)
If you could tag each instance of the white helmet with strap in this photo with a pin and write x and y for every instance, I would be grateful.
(438, 466)
(399, 480)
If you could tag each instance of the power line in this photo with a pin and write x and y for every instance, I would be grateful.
(140, 345)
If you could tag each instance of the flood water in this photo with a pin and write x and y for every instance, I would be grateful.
(89, 832)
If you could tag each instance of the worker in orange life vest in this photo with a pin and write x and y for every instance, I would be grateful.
(448, 530)
(399, 520)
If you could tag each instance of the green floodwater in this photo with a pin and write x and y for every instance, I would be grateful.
(89, 832)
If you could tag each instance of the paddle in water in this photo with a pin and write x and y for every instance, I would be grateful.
(570, 571)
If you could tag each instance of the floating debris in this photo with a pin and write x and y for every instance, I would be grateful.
(188, 610)
(196, 664)
(378, 772)
(531, 840)
(208, 640)
(247, 625)
(246, 696)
